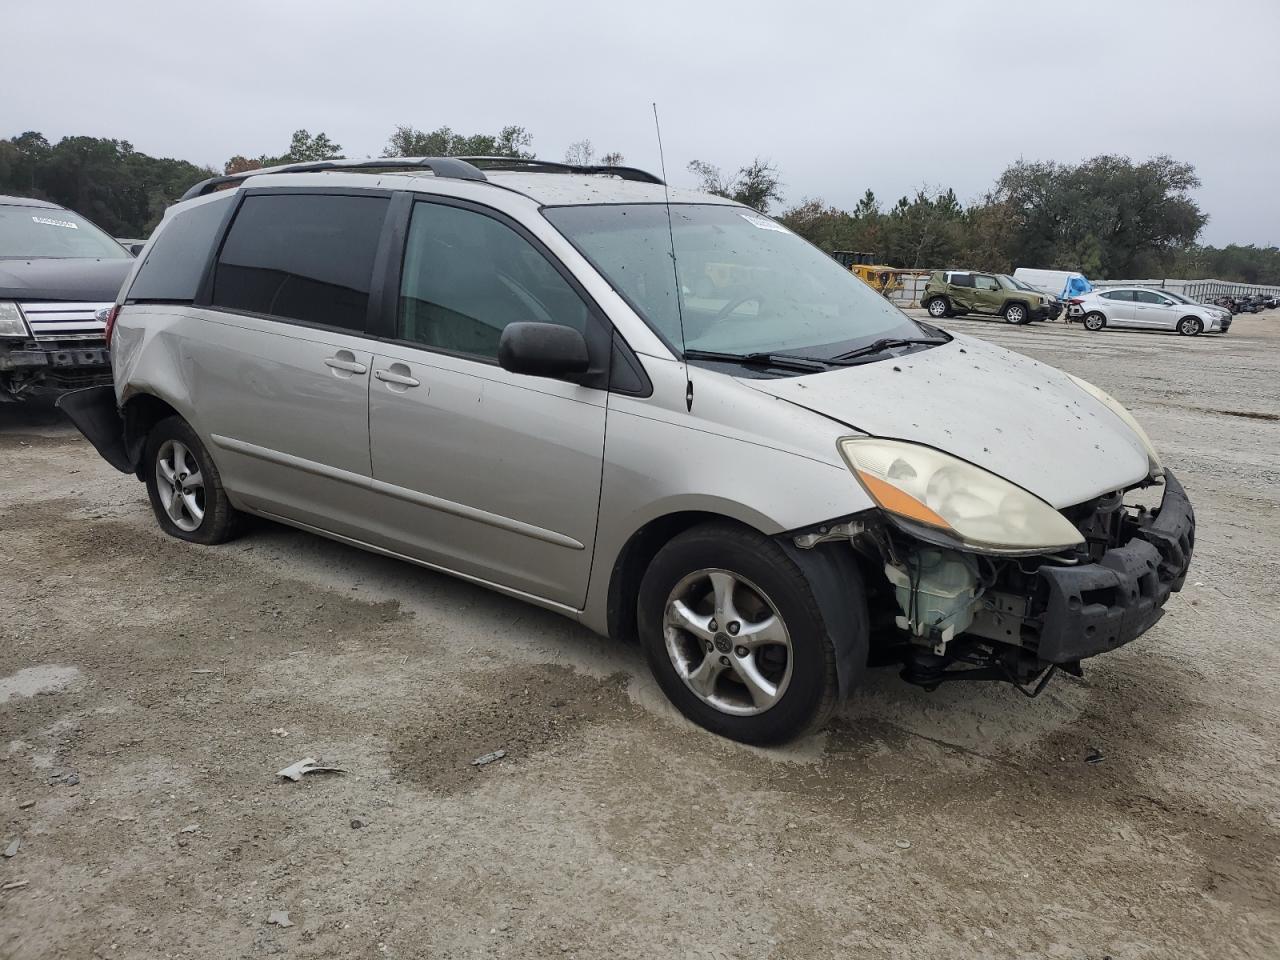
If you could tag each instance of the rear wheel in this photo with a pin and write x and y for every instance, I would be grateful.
(185, 487)
(734, 635)
(1190, 326)
(1016, 313)
(1094, 321)
(938, 307)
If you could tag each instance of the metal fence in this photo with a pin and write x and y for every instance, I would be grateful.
(912, 288)
(913, 283)
(1201, 290)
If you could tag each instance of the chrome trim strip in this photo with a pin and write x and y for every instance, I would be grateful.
(61, 306)
(66, 324)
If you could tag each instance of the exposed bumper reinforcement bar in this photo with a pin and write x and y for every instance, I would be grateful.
(1101, 606)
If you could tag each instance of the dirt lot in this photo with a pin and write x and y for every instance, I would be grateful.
(142, 682)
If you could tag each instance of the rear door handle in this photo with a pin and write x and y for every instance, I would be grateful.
(350, 366)
(402, 379)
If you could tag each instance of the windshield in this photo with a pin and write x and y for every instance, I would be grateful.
(38, 232)
(1013, 283)
(747, 284)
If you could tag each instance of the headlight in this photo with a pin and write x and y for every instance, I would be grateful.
(973, 505)
(1154, 468)
(12, 323)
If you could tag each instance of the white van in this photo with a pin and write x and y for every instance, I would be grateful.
(1063, 284)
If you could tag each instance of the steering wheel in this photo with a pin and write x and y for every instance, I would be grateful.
(733, 305)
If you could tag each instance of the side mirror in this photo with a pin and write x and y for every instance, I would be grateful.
(543, 350)
(136, 248)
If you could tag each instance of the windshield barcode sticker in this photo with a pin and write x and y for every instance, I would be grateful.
(762, 222)
(55, 223)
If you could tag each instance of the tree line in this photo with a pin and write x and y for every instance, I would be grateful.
(1108, 216)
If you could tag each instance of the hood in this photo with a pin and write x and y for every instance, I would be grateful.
(82, 280)
(1017, 417)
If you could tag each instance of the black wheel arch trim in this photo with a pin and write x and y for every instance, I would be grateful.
(830, 571)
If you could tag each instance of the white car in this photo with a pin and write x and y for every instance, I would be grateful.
(1143, 308)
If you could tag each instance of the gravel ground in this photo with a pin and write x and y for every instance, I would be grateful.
(150, 690)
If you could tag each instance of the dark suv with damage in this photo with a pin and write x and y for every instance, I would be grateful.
(59, 275)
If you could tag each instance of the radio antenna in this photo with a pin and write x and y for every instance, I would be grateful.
(675, 270)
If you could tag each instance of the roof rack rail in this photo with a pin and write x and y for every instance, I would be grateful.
(533, 165)
(454, 168)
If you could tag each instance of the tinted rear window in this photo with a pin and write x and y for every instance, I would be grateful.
(177, 259)
(305, 257)
(962, 280)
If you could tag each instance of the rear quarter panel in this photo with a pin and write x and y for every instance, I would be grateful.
(147, 356)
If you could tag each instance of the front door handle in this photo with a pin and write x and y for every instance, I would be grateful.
(394, 376)
(345, 361)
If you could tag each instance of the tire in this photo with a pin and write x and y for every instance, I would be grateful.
(938, 308)
(1190, 326)
(795, 658)
(1016, 314)
(1094, 321)
(202, 513)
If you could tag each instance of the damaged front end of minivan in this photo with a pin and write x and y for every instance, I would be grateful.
(964, 592)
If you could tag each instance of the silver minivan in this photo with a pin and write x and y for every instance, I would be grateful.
(657, 412)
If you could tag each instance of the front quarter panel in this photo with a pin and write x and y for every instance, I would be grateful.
(773, 466)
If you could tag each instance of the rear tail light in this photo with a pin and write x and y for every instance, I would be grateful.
(1075, 301)
(110, 323)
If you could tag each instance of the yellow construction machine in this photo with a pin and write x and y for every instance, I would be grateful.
(883, 280)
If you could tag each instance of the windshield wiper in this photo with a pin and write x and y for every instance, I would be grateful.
(888, 343)
(782, 361)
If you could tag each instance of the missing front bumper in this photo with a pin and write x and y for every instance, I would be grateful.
(1097, 607)
(1020, 618)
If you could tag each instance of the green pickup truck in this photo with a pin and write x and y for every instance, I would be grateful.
(957, 292)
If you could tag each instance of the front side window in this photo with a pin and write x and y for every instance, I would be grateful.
(37, 233)
(1146, 296)
(467, 275)
(303, 257)
(986, 283)
(746, 283)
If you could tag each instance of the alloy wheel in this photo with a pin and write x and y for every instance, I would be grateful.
(937, 308)
(180, 485)
(727, 642)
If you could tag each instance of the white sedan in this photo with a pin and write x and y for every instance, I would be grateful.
(1144, 308)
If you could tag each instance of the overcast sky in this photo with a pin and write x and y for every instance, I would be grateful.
(842, 95)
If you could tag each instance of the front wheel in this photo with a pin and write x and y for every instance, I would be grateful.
(1190, 327)
(185, 487)
(1016, 314)
(938, 308)
(734, 635)
(1094, 321)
